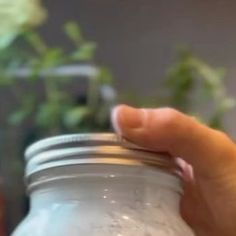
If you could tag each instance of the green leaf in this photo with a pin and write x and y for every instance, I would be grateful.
(48, 116)
(74, 117)
(53, 57)
(35, 40)
(226, 104)
(221, 72)
(179, 82)
(104, 76)
(7, 39)
(85, 52)
(216, 121)
(73, 31)
(25, 110)
(18, 117)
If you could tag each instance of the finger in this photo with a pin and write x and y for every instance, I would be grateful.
(210, 152)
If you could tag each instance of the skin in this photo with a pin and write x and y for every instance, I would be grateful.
(208, 161)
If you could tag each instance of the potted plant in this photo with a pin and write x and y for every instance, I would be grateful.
(13, 17)
(55, 90)
(194, 85)
(53, 108)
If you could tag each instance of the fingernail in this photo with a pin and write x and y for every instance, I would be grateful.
(114, 120)
(125, 117)
(187, 170)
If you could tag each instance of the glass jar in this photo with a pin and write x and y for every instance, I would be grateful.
(100, 185)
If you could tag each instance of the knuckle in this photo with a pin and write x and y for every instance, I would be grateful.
(222, 136)
(169, 117)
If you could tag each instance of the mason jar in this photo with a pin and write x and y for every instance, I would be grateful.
(100, 185)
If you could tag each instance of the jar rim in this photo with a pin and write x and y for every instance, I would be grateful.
(91, 148)
(86, 139)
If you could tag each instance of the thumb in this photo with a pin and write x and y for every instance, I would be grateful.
(210, 152)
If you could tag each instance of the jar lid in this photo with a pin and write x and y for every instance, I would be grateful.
(92, 148)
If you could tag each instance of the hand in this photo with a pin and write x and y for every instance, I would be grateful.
(209, 201)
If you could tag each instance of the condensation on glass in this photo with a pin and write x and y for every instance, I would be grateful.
(100, 185)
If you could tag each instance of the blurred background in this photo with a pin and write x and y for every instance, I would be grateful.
(65, 64)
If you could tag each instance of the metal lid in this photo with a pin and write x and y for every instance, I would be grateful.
(98, 148)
